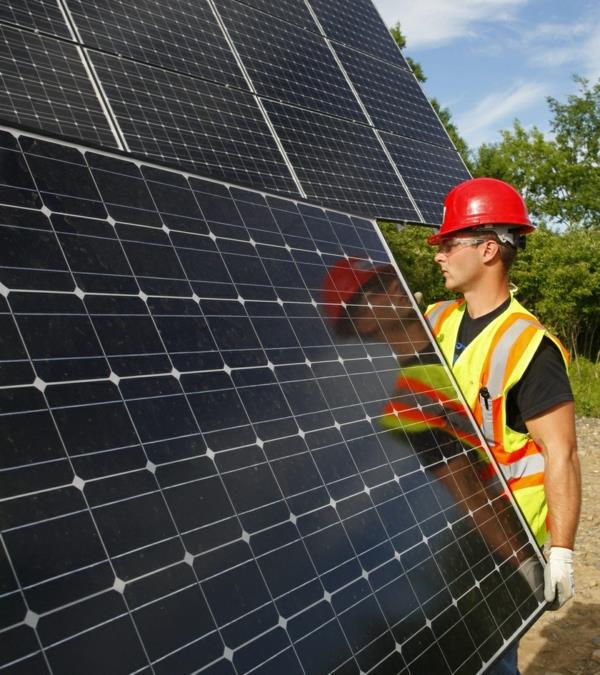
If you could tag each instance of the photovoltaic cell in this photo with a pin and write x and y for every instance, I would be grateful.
(358, 24)
(429, 171)
(293, 11)
(44, 85)
(287, 63)
(179, 35)
(40, 15)
(393, 98)
(193, 123)
(340, 163)
(198, 471)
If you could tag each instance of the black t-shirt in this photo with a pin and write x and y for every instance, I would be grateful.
(544, 384)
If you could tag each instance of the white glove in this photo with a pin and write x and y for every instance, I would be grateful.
(559, 579)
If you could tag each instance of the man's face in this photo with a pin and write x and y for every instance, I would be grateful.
(460, 261)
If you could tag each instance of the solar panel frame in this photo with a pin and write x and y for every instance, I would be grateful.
(134, 450)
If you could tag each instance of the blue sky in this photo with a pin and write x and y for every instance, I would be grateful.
(491, 61)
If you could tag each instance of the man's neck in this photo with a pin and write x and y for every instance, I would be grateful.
(481, 301)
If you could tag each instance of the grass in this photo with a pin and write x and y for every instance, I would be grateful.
(585, 381)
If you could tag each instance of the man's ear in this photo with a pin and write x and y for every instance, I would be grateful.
(491, 250)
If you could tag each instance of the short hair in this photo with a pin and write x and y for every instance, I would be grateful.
(507, 251)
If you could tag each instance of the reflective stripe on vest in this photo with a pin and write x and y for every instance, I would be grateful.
(436, 315)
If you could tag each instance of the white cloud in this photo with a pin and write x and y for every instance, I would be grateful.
(432, 23)
(497, 111)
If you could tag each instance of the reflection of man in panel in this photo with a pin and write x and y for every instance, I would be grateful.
(511, 371)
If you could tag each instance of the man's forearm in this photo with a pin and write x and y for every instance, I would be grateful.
(563, 493)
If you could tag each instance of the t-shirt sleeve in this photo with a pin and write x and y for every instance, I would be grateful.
(544, 384)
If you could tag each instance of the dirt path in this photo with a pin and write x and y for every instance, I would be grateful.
(567, 642)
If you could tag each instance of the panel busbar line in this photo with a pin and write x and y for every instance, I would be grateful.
(196, 471)
(39, 15)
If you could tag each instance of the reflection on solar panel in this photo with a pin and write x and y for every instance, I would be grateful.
(189, 39)
(293, 11)
(200, 470)
(191, 122)
(44, 85)
(340, 163)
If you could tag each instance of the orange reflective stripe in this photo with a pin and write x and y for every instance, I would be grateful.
(516, 351)
(526, 481)
(504, 457)
(440, 316)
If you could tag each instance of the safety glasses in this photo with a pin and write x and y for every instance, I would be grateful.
(446, 246)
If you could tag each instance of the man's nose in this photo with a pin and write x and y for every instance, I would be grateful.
(439, 257)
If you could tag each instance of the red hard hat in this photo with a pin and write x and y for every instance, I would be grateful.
(480, 202)
(343, 280)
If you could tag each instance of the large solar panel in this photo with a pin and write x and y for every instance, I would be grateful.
(40, 15)
(199, 473)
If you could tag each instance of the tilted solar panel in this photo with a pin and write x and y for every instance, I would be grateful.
(178, 35)
(191, 122)
(45, 85)
(201, 471)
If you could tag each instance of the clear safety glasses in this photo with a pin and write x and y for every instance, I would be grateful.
(448, 245)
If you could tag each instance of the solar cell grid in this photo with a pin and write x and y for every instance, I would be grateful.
(180, 35)
(199, 476)
(358, 25)
(45, 86)
(393, 98)
(40, 15)
(340, 163)
(287, 63)
(193, 123)
(293, 11)
(429, 171)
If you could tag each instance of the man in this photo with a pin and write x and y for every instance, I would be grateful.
(511, 371)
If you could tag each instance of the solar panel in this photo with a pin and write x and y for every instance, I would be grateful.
(287, 63)
(393, 98)
(340, 163)
(358, 25)
(198, 474)
(430, 172)
(189, 40)
(37, 14)
(45, 86)
(193, 123)
(293, 11)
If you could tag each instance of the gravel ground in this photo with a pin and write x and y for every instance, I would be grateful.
(567, 642)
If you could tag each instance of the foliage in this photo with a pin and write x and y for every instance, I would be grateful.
(585, 382)
(559, 176)
(443, 113)
(415, 259)
(559, 281)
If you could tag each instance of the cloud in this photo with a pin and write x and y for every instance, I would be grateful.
(432, 23)
(497, 110)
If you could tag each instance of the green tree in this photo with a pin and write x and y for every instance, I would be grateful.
(559, 176)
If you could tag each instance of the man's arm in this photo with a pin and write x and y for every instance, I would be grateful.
(554, 432)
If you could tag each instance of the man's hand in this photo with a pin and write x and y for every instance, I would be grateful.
(559, 579)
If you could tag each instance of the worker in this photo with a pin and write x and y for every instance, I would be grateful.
(511, 370)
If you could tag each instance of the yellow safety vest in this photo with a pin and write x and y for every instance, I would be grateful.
(486, 370)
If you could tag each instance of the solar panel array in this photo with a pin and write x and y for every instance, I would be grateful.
(197, 474)
(284, 97)
(200, 473)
